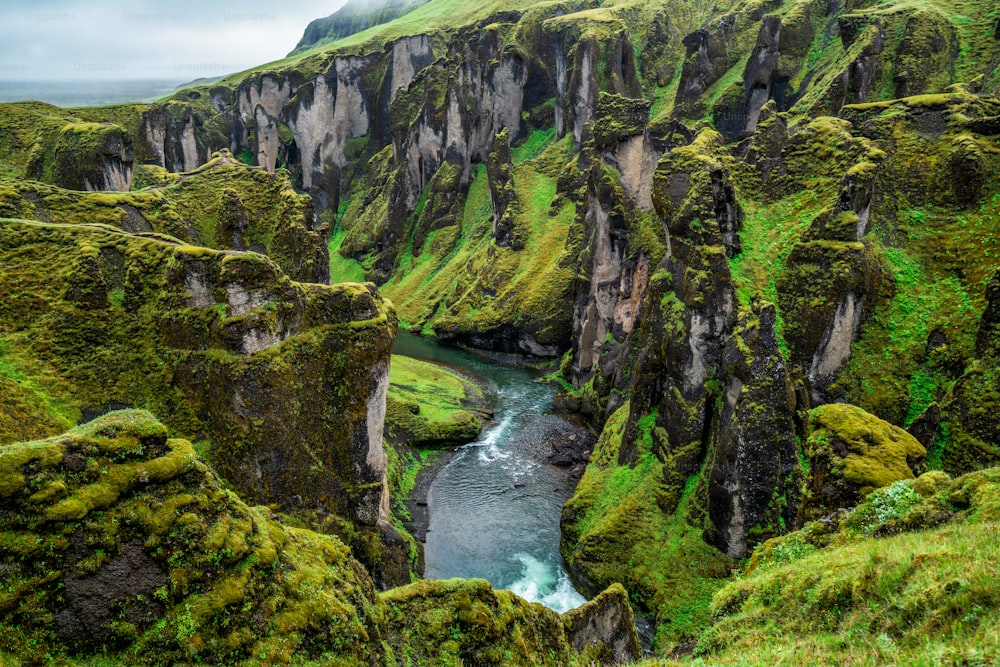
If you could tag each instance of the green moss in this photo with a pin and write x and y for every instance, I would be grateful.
(433, 288)
(428, 405)
(852, 453)
(191, 329)
(205, 567)
(456, 621)
(220, 205)
(615, 530)
(533, 145)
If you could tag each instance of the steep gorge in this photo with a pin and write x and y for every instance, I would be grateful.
(714, 221)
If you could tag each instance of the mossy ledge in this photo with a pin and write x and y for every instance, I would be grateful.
(223, 204)
(284, 381)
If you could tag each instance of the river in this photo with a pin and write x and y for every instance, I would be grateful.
(494, 508)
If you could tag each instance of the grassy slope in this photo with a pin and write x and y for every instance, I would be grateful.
(667, 565)
(427, 404)
(527, 281)
(920, 597)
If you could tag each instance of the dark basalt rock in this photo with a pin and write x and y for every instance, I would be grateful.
(756, 453)
(498, 170)
(969, 431)
(603, 629)
(569, 447)
(122, 590)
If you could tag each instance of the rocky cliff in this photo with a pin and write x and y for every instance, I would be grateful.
(285, 381)
(718, 219)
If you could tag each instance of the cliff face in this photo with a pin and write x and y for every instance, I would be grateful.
(285, 381)
(53, 145)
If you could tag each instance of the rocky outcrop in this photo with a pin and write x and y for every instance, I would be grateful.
(138, 551)
(174, 137)
(708, 432)
(753, 478)
(223, 204)
(622, 241)
(706, 60)
(968, 433)
(603, 629)
(285, 380)
(84, 156)
(498, 169)
(714, 359)
(851, 453)
(832, 277)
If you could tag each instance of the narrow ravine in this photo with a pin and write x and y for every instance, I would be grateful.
(494, 508)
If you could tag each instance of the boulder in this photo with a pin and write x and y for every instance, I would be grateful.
(851, 453)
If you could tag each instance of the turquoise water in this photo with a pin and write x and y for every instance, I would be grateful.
(494, 509)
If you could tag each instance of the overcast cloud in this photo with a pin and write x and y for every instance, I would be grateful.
(180, 40)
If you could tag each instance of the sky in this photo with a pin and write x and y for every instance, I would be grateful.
(176, 40)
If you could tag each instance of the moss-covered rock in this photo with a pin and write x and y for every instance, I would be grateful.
(222, 205)
(851, 453)
(614, 530)
(120, 539)
(968, 437)
(56, 146)
(603, 629)
(462, 621)
(286, 381)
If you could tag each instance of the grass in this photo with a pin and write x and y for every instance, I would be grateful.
(435, 289)
(343, 269)
(441, 390)
(939, 286)
(925, 597)
(440, 397)
(769, 233)
(533, 146)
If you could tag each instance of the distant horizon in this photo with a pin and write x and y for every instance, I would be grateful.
(58, 41)
(88, 92)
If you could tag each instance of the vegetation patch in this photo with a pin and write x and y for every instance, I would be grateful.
(430, 406)
(920, 596)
